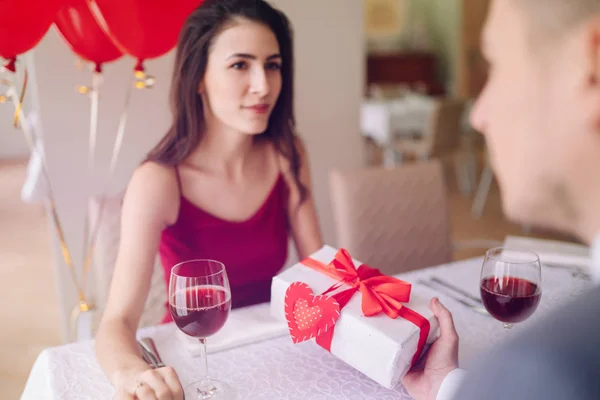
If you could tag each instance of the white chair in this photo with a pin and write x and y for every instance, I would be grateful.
(395, 219)
(105, 255)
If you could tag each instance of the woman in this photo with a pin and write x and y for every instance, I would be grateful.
(229, 181)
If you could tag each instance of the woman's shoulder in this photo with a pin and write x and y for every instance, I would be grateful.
(155, 176)
(153, 170)
(155, 187)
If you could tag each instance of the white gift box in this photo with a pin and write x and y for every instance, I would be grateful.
(380, 347)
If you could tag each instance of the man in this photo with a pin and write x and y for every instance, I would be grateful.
(540, 114)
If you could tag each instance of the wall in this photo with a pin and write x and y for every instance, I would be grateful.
(12, 143)
(329, 80)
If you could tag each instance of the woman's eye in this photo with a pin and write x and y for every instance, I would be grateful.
(239, 65)
(273, 66)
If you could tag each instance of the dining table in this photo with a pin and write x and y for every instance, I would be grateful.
(256, 356)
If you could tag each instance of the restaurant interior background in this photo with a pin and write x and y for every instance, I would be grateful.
(381, 83)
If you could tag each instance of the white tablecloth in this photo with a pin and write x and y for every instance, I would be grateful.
(276, 368)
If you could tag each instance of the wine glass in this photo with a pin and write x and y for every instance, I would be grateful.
(199, 302)
(511, 284)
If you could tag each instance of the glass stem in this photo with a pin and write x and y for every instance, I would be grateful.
(508, 326)
(206, 389)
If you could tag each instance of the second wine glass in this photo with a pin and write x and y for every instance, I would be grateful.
(511, 284)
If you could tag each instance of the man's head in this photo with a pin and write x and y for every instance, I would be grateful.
(540, 110)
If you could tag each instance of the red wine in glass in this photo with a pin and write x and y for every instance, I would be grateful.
(200, 311)
(199, 302)
(510, 299)
(511, 284)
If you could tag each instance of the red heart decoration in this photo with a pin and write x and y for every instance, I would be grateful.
(308, 316)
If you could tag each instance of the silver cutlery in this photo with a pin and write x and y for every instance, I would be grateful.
(456, 289)
(477, 309)
(575, 270)
(146, 358)
(150, 353)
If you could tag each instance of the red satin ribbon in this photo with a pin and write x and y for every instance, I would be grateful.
(380, 293)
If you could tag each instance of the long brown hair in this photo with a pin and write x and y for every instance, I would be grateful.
(197, 35)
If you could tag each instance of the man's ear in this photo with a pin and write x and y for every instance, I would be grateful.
(591, 37)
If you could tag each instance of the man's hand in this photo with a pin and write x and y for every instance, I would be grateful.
(423, 382)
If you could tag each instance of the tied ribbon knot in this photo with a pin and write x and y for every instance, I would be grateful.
(11, 65)
(380, 293)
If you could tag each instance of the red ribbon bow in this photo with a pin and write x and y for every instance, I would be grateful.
(380, 293)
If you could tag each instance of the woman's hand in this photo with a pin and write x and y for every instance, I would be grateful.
(144, 383)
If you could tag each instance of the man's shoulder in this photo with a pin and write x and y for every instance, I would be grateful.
(556, 358)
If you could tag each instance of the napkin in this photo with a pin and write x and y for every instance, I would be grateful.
(244, 326)
(554, 252)
(548, 247)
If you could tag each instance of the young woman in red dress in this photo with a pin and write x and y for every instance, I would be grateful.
(229, 181)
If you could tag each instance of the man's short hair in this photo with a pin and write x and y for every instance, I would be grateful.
(553, 18)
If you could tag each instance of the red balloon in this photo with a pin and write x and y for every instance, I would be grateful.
(23, 23)
(143, 28)
(79, 28)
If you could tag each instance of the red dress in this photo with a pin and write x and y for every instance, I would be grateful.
(253, 250)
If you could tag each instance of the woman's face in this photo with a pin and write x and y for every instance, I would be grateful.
(243, 77)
